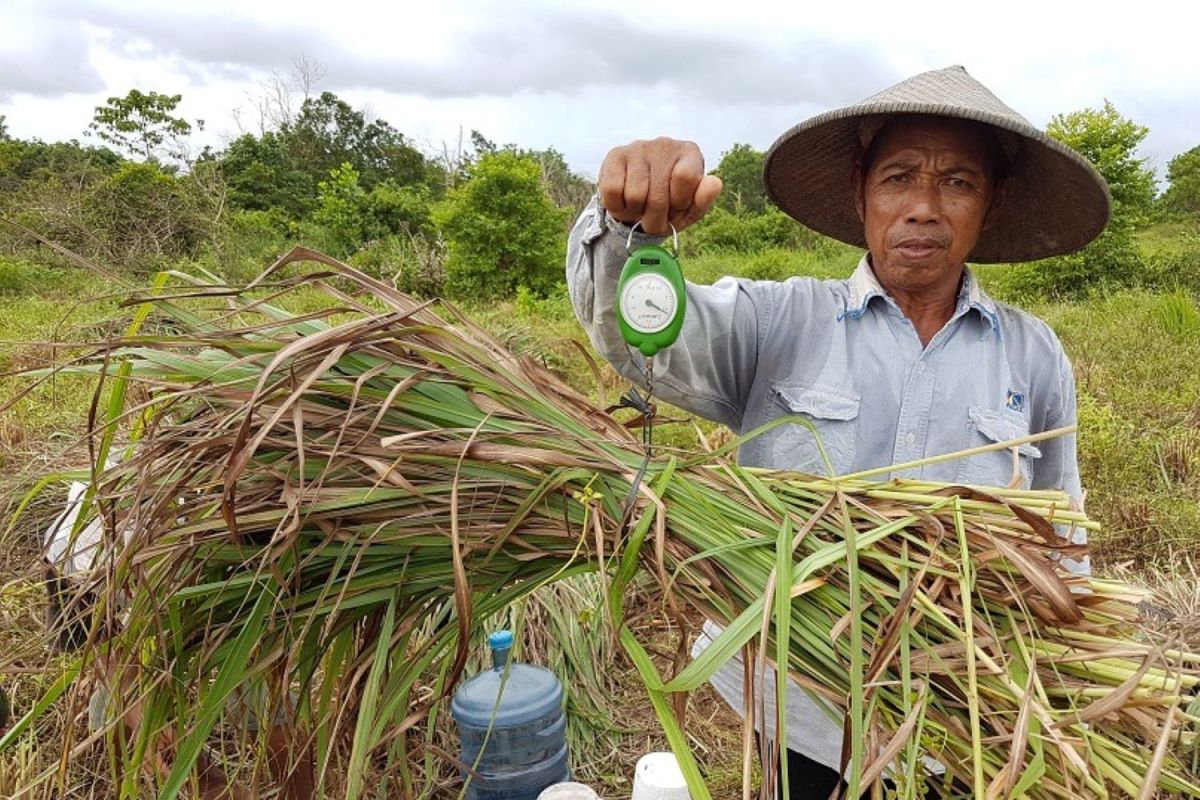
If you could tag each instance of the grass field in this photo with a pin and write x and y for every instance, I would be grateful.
(1135, 353)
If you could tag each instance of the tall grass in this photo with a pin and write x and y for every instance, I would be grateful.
(331, 504)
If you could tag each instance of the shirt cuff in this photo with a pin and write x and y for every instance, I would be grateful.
(603, 223)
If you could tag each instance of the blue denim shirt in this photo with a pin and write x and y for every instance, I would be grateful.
(841, 353)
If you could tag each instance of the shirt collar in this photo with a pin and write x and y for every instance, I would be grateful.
(863, 285)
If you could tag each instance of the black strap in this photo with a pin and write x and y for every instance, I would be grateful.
(633, 399)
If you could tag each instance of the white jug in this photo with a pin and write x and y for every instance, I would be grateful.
(658, 777)
(568, 791)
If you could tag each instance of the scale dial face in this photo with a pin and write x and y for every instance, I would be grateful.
(648, 303)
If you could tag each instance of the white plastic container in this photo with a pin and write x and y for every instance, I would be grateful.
(568, 791)
(657, 776)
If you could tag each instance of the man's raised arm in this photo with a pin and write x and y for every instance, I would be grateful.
(661, 183)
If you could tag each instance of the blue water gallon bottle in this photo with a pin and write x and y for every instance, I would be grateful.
(512, 728)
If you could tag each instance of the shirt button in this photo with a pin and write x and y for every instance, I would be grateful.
(920, 367)
(910, 439)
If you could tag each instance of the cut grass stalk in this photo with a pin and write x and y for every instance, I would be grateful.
(322, 483)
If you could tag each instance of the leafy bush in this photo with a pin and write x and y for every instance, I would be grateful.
(23, 163)
(141, 213)
(393, 208)
(20, 278)
(341, 200)
(502, 230)
(1183, 194)
(415, 264)
(722, 230)
(351, 216)
(247, 242)
(1111, 261)
(1174, 264)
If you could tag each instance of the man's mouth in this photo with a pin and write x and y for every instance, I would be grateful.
(918, 248)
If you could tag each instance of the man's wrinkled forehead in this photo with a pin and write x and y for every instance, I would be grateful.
(970, 140)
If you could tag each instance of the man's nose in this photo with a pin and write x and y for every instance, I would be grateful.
(924, 203)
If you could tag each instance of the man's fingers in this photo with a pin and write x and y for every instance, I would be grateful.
(706, 194)
(658, 183)
(658, 199)
(637, 187)
(685, 178)
(611, 186)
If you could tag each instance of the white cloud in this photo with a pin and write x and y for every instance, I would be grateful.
(586, 76)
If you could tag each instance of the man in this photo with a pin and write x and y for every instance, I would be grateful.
(906, 359)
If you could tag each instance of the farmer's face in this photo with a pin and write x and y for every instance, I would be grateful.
(924, 200)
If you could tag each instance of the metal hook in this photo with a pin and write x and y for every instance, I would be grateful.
(638, 224)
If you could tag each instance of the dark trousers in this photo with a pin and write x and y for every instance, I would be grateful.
(812, 780)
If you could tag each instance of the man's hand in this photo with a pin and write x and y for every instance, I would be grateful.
(656, 182)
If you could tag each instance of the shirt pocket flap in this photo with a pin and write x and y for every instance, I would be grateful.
(1002, 426)
(819, 402)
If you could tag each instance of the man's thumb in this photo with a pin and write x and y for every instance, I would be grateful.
(707, 193)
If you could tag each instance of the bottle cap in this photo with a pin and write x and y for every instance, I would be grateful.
(500, 640)
(568, 791)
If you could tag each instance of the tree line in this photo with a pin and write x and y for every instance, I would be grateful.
(477, 220)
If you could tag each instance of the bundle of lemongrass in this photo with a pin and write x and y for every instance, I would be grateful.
(325, 506)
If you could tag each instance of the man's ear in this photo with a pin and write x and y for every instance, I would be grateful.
(1000, 197)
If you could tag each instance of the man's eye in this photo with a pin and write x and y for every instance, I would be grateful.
(958, 183)
(899, 177)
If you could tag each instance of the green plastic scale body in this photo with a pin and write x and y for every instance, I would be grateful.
(651, 299)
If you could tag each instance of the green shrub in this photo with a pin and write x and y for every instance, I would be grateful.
(248, 241)
(339, 210)
(142, 214)
(351, 216)
(413, 264)
(1111, 261)
(722, 230)
(1174, 264)
(502, 230)
(831, 260)
(20, 278)
(1178, 315)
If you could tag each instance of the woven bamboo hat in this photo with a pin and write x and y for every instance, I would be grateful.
(1057, 201)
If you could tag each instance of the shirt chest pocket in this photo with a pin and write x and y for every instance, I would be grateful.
(1000, 467)
(834, 414)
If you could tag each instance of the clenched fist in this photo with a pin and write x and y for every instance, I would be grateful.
(656, 182)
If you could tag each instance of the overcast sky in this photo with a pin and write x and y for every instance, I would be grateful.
(584, 76)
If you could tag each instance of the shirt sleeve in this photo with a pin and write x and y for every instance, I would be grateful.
(1058, 468)
(709, 369)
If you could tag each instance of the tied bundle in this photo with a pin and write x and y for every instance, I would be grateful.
(318, 510)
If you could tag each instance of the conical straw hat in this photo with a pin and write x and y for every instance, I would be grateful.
(1057, 201)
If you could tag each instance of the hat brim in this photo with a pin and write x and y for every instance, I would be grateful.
(1056, 200)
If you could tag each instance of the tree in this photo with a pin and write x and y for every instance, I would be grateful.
(328, 132)
(1183, 191)
(3, 128)
(1110, 141)
(263, 176)
(144, 125)
(741, 170)
(503, 231)
(565, 188)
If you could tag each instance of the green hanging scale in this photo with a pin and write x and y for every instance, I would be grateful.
(651, 301)
(651, 298)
